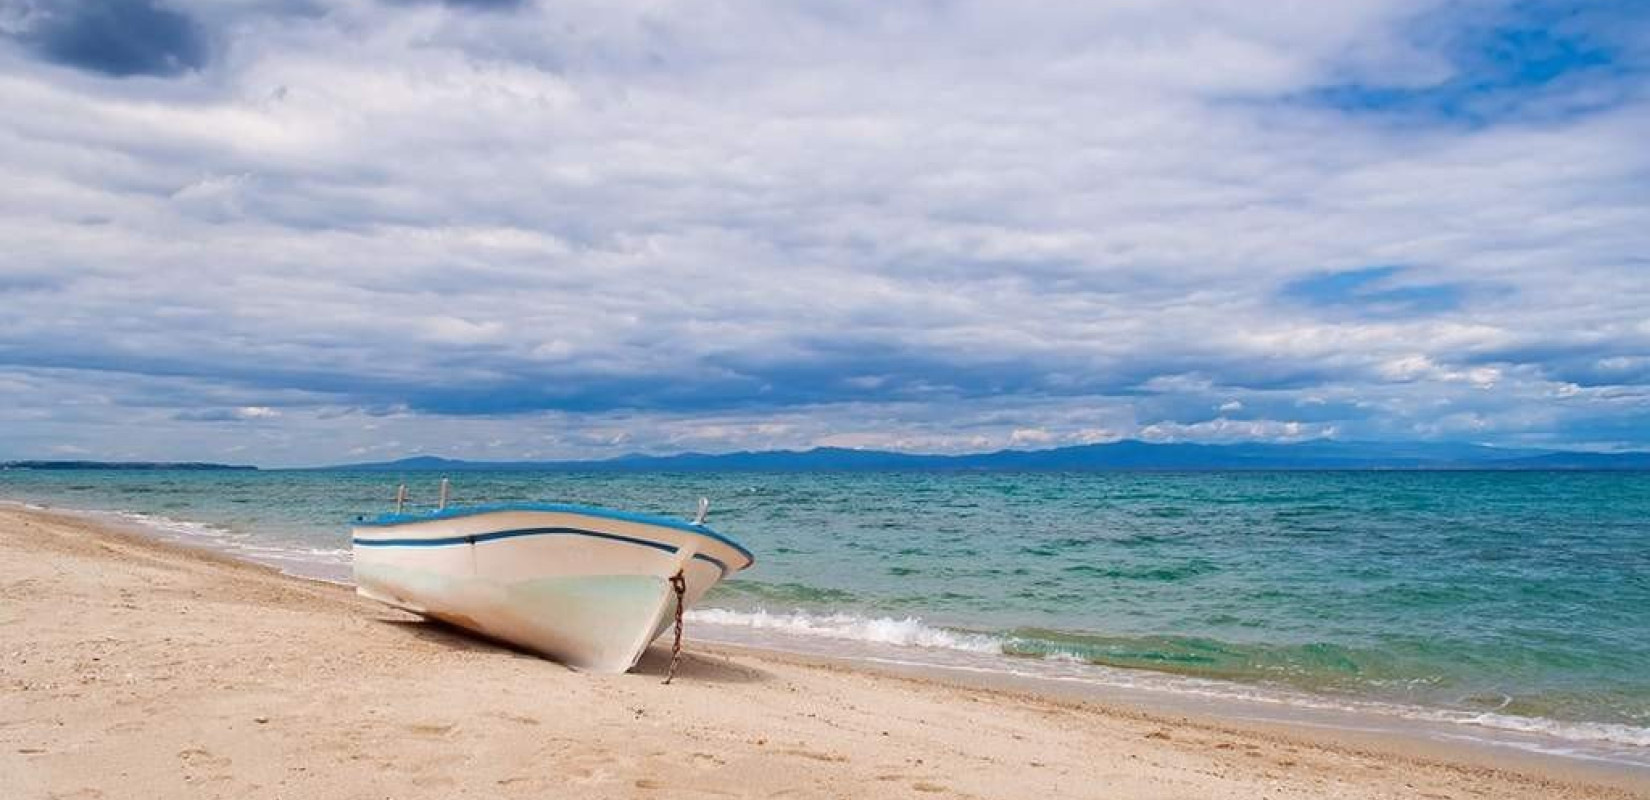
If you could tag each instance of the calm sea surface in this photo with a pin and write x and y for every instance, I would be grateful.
(1514, 600)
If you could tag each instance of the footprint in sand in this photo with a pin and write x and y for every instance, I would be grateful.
(521, 719)
(817, 756)
(202, 761)
(706, 761)
(590, 777)
(593, 768)
(430, 730)
(202, 757)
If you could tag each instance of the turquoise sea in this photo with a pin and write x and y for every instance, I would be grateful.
(1501, 601)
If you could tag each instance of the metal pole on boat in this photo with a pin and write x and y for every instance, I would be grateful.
(400, 497)
(443, 503)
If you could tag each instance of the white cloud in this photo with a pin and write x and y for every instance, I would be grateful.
(1228, 430)
(1030, 438)
(755, 225)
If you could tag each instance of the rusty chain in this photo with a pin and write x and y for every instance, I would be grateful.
(678, 584)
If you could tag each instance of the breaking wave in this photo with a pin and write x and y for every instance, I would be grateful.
(908, 632)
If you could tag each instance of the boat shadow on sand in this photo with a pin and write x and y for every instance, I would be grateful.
(655, 662)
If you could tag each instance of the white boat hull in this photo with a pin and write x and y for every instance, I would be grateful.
(586, 587)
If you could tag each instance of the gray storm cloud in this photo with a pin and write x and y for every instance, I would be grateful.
(120, 38)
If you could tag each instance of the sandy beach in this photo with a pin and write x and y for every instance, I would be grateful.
(136, 669)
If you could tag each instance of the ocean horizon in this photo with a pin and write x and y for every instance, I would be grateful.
(1500, 602)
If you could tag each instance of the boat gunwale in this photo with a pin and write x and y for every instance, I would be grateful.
(391, 519)
(493, 536)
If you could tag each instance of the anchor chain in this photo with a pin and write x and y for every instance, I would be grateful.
(678, 584)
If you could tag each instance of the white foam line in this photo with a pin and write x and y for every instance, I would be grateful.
(907, 632)
(224, 540)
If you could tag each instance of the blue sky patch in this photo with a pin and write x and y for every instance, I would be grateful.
(1374, 292)
(1508, 61)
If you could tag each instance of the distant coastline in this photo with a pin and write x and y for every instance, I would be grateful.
(1123, 456)
(131, 465)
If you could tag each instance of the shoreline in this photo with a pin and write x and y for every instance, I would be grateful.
(1168, 692)
(886, 732)
(1499, 739)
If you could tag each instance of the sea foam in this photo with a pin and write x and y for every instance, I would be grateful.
(908, 631)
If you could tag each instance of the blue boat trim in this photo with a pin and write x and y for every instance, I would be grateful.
(564, 508)
(448, 541)
(714, 562)
(451, 541)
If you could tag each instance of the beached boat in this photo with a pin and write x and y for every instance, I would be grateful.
(589, 587)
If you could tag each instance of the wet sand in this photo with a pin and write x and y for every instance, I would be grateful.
(133, 669)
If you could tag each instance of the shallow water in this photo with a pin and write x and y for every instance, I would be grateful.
(1506, 600)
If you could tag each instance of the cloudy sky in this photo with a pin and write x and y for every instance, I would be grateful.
(307, 231)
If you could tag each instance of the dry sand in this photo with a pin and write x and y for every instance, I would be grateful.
(130, 669)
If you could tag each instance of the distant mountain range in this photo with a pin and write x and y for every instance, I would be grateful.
(1115, 456)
